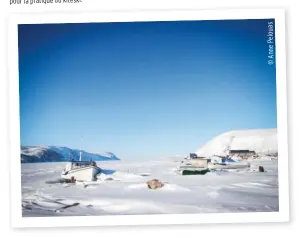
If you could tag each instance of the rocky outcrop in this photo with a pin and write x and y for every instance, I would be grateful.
(154, 184)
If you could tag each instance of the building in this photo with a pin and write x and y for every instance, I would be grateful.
(242, 153)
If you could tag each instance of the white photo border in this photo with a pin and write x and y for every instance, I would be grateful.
(133, 16)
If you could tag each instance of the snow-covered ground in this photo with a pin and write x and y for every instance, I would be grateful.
(123, 190)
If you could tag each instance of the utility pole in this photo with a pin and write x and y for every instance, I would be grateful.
(80, 151)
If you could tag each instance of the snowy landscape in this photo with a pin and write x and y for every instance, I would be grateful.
(147, 117)
(121, 188)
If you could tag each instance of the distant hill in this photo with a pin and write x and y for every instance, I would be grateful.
(35, 154)
(262, 141)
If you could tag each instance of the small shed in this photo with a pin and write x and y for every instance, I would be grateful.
(242, 153)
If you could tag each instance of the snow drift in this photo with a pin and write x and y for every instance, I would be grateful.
(262, 141)
(122, 190)
(34, 154)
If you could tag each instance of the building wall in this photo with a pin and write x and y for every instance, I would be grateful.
(199, 163)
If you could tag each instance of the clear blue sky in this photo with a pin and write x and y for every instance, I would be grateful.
(143, 90)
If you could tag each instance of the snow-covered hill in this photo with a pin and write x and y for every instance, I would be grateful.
(262, 141)
(33, 154)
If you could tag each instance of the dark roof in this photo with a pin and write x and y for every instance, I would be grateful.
(242, 151)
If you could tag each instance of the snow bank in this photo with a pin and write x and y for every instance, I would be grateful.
(261, 141)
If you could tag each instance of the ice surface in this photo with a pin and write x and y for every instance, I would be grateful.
(122, 190)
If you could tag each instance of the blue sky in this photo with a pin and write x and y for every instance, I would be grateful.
(144, 90)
